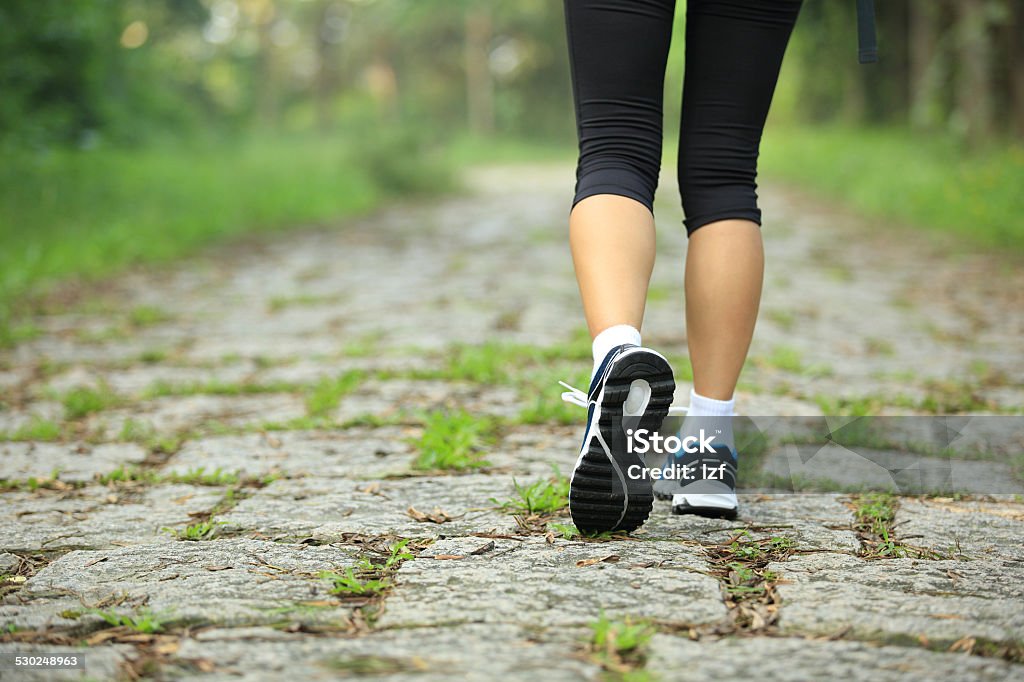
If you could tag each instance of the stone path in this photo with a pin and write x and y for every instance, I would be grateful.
(301, 456)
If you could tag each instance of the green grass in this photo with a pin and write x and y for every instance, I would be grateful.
(927, 181)
(128, 474)
(204, 530)
(200, 476)
(279, 303)
(397, 553)
(453, 441)
(349, 584)
(369, 578)
(875, 521)
(146, 435)
(788, 359)
(148, 315)
(325, 396)
(90, 214)
(82, 401)
(545, 496)
(620, 645)
(163, 389)
(36, 429)
(197, 476)
(566, 531)
(144, 621)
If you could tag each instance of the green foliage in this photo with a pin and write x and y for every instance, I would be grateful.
(36, 429)
(200, 476)
(349, 584)
(326, 395)
(162, 388)
(147, 315)
(620, 645)
(892, 174)
(82, 401)
(545, 496)
(92, 213)
(567, 531)
(876, 512)
(144, 621)
(789, 359)
(453, 440)
(204, 530)
(128, 474)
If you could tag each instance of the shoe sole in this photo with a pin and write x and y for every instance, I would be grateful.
(708, 505)
(602, 497)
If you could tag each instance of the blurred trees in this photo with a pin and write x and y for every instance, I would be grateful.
(90, 71)
(947, 65)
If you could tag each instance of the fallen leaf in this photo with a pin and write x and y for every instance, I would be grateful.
(370, 488)
(483, 549)
(963, 644)
(167, 647)
(104, 635)
(436, 516)
(448, 557)
(218, 568)
(204, 665)
(610, 559)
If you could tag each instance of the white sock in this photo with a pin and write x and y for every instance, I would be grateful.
(712, 416)
(709, 407)
(610, 338)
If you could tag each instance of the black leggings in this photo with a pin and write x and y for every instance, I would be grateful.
(618, 49)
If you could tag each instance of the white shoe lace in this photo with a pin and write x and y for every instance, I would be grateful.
(575, 396)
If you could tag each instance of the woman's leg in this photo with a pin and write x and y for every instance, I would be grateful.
(734, 51)
(617, 51)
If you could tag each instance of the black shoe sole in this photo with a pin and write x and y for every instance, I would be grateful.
(600, 499)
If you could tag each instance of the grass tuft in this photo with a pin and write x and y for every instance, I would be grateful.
(204, 530)
(325, 396)
(620, 646)
(82, 401)
(545, 496)
(144, 621)
(453, 441)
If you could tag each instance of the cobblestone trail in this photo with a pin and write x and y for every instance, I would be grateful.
(300, 457)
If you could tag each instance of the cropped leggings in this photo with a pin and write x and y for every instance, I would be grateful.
(618, 50)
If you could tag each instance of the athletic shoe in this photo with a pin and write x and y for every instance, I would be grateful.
(610, 489)
(708, 486)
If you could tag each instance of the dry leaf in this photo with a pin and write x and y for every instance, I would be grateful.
(218, 568)
(448, 557)
(483, 549)
(610, 559)
(436, 516)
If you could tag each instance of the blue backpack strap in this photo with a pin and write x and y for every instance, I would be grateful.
(867, 39)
